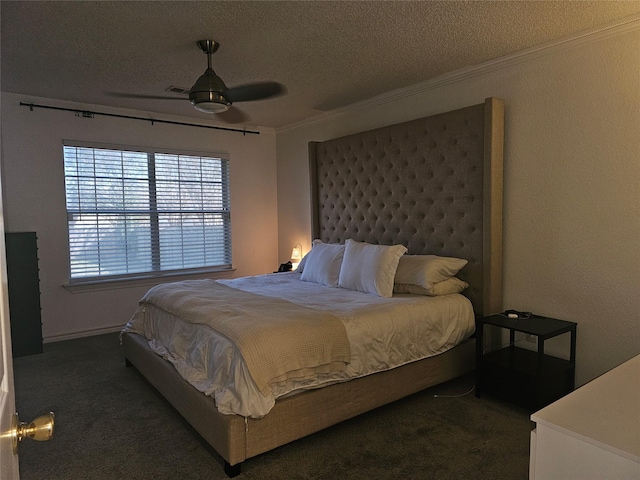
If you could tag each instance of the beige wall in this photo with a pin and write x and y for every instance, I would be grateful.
(572, 181)
(34, 200)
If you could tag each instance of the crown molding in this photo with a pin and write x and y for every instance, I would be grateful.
(596, 34)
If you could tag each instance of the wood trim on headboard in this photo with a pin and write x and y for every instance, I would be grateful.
(433, 184)
(493, 205)
(313, 184)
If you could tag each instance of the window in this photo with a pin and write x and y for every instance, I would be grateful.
(142, 212)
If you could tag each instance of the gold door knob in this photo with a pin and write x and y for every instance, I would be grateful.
(40, 429)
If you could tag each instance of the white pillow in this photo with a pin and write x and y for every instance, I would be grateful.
(446, 287)
(427, 270)
(304, 259)
(323, 264)
(370, 268)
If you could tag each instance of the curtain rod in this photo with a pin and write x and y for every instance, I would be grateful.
(90, 114)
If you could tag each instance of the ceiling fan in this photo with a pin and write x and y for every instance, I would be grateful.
(210, 95)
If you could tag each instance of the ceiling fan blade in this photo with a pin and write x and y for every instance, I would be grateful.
(254, 91)
(233, 115)
(148, 97)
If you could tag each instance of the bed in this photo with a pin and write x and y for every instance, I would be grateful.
(431, 185)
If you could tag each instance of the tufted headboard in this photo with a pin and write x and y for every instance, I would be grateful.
(432, 184)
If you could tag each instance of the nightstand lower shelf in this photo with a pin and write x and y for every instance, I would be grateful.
(513, 374)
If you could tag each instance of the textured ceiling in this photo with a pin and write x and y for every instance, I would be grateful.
(328, 54)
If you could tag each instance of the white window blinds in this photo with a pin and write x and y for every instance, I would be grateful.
(133, 213)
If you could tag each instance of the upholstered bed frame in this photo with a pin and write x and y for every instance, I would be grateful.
(432, 184)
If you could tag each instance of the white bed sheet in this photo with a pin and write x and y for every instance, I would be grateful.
(384, 333)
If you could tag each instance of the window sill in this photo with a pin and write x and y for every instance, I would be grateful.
(98, 285)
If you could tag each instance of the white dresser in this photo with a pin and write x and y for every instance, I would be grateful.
(591, 433)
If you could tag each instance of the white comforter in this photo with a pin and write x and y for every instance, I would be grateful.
(384, 333)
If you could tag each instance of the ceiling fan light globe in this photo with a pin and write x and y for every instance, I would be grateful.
(211, 107)
(209, 102)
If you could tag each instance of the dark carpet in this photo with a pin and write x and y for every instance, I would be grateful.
(111, 424)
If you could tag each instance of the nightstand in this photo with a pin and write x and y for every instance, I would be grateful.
(525, 377)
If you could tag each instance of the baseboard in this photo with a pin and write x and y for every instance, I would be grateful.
(83, 334)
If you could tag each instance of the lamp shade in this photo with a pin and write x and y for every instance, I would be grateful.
(296, 253)
(296, 256)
